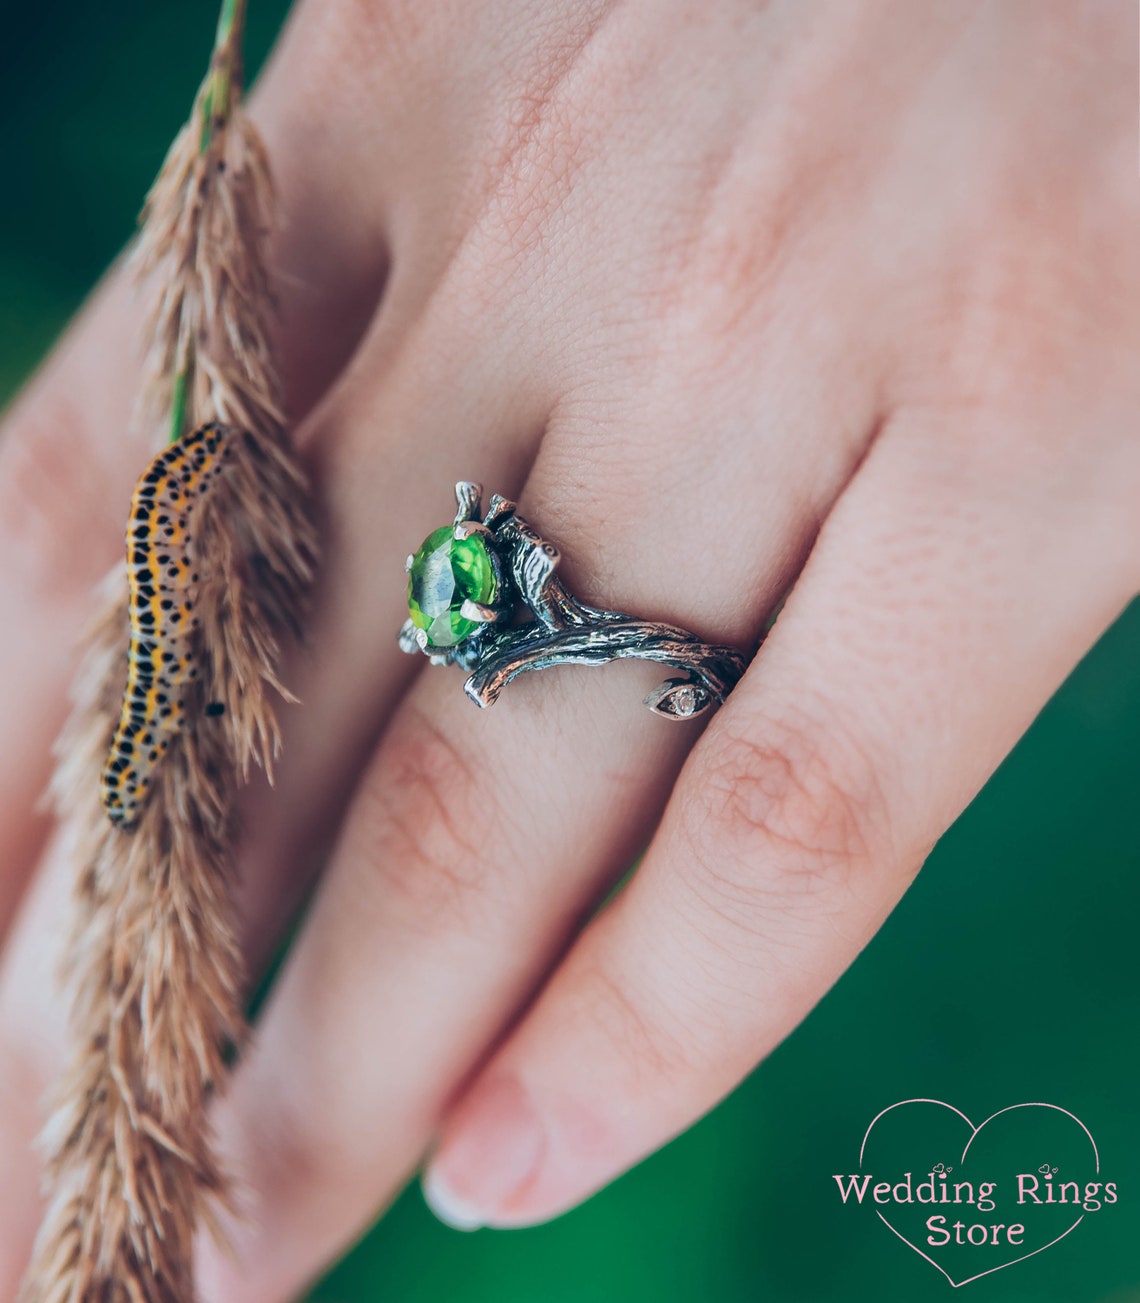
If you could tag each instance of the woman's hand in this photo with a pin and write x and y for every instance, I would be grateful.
(721, 292)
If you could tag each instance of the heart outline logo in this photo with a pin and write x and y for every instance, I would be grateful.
(974, 1132)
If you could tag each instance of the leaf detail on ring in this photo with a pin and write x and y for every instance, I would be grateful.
(679, 699)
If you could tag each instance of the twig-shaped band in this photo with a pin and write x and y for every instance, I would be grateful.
(564, 631)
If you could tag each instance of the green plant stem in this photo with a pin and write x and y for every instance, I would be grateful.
(225, 71)
(178, 401)
(232, 17)
(212, 108)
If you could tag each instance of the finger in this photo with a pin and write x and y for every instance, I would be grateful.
(384, 443)
(940, 608)
(68, 456)
(475, 842)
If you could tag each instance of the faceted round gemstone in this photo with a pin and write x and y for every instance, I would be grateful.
(445, 572)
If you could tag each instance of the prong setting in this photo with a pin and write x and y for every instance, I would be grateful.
(479, 613)
(408, 641)
(468, 496)
(465, 529)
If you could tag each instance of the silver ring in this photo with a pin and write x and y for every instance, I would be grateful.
(471, 580)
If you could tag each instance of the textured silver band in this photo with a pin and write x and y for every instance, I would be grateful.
(564, 631)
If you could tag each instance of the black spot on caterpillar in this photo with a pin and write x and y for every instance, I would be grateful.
(161, 660)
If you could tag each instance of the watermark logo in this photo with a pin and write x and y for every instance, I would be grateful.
(974, 1199)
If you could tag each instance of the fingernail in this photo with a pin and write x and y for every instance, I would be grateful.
(448, 1206)
(489, 1156)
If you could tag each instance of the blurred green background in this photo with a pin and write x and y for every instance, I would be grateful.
(1009, 972)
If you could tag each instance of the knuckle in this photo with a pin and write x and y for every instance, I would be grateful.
(782, 810)
(421, 824)
(639, 1035)
(721, 270)
(294, 1149)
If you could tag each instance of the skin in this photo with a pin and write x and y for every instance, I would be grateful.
(723, 294)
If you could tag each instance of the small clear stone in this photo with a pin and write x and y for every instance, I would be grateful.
(684, 701)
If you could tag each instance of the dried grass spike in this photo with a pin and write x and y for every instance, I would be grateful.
(155, 966)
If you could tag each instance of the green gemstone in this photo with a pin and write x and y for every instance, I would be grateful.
(445, 572)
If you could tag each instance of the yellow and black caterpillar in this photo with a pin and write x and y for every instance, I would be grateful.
(163, 584)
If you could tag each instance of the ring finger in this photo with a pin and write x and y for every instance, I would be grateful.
(475, 844)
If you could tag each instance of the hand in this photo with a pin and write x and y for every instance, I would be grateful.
(721, 293)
